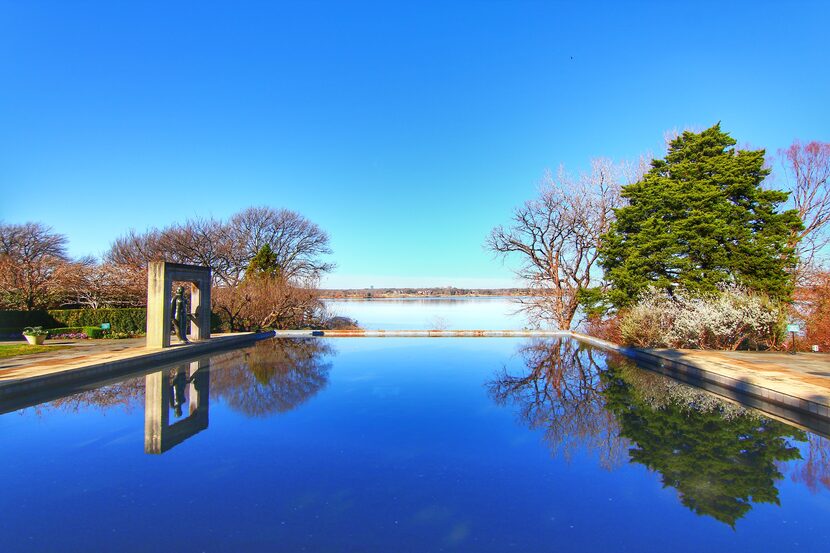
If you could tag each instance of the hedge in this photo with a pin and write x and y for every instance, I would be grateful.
(15, 321)
(132, 320)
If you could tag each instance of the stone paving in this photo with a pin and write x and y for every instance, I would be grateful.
(802, 375)
(77, 350)
(85, 354)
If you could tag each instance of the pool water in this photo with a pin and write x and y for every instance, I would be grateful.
(361, 444)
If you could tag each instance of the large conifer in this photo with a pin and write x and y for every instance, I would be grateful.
(699, 218)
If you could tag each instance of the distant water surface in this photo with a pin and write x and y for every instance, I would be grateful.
(484, 313)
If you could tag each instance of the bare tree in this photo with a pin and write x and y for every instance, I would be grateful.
(298, 243)
(557, 236)
(87, 283)
(264, 301)
(807, 167)
(227, 247)
(30, 253)
(205, 242)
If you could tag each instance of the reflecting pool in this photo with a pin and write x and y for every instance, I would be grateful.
(410, 444)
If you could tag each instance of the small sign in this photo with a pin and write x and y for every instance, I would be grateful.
(105, 326)
(792, 328)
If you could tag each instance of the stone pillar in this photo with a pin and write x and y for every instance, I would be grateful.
(158, 305)
(199, 390)
(200, 310)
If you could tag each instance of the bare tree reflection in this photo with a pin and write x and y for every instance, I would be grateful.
(559, 391)
(814, 469)
(127, 394)
(273, 376)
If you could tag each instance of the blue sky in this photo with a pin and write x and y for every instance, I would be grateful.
(406, 130)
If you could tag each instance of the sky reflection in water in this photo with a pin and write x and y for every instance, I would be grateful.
(409, 445)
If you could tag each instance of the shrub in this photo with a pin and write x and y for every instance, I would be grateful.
(340, 323)
(119, 335)
(69, 336)
(604, 328)
(10, 332)
(264, 301)
(65, 331)
(72, 331)
(35, 331)
(817, 313)
(730, 319)
(93, 332)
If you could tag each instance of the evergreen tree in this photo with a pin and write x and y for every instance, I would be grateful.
(700, 218)
(264, 263)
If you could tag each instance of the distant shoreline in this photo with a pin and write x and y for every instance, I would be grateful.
(397, 293)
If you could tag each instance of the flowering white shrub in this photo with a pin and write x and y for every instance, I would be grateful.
(728, 319)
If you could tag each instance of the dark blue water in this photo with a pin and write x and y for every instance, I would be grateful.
(408, 445)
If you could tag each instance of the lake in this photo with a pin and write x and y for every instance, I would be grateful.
(433, 313)
(407, 444)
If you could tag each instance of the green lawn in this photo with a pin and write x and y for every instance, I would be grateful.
(10, 350)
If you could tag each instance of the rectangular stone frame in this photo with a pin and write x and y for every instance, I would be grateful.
(160, 278)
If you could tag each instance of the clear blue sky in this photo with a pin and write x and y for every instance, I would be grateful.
(406, 131)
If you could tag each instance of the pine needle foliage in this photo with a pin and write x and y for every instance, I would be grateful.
(700, 218)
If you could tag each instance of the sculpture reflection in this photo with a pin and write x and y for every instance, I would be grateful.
(187, 383)
(720, 457)
(273, 376)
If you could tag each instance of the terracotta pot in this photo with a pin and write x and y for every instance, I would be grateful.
(35, 340)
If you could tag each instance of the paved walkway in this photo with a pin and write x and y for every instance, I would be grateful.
(86, 354)
(804, 377)
(807, 368)
(77, 350)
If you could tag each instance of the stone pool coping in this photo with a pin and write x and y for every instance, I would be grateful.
(62, 370)
(770, 383)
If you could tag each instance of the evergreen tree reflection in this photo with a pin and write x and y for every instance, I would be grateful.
(273, 376)
(720, 457)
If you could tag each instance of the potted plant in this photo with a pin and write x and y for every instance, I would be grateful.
(35, 335)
